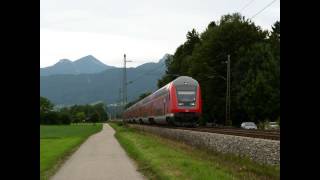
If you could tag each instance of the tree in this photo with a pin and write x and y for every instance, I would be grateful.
(275, 33)
(232, 33)
(45, 105)
(260, 89)
(51, 117)
(101, 112)
(252, 53)
(212, 24)
(94, 118)
(274, 40)
(75, 114)
(179, 63)
(79, 117)
(46, 114)
(167, 77)
(64, 118)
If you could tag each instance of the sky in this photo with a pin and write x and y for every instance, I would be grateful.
(144, 30)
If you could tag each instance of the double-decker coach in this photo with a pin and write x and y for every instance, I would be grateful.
(177, 103)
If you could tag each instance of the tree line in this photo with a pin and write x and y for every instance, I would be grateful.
(73, 114)
(255, 69)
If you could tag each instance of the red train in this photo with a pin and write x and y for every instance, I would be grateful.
(177, 103)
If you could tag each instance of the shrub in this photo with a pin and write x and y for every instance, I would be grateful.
(267, 124)
(278, 121)
(202, 121)
(261, 125)
(51, 118)
(79, 117)
(119, 123)
(42, 117)
(94, 118)
(55, 118)
(64, 118)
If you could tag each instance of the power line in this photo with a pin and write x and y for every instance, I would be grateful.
(263, 8)
(125, 83)
(245, 6)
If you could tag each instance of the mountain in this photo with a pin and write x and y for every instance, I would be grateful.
(68, 89)
(88, 64)
(164, 58)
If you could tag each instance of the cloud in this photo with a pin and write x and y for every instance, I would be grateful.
(108, 48)
(143, 29)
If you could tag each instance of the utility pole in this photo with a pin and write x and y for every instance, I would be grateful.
(124, 87)
(228, 121)
(119, 107)
(124, 80)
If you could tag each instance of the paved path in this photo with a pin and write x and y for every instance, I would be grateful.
(99, 158)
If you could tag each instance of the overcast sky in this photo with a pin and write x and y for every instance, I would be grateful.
(143, 29)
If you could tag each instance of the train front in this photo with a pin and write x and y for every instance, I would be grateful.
(186, 105)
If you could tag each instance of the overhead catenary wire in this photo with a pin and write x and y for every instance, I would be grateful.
(263, 9)
(245, 6)
(145, 73)
(146, 91)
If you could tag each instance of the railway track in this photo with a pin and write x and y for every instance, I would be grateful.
(262, 134)
(274, 135)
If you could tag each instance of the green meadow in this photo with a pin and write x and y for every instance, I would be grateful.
(160, 158)
(59, 141)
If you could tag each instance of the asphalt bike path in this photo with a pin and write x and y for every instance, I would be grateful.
(100, 157)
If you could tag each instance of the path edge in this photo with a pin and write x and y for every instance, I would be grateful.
(60, 162)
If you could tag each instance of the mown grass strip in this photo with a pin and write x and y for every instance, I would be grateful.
(58, 142)
(160, 158)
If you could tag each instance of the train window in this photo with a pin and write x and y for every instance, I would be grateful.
(186, 98)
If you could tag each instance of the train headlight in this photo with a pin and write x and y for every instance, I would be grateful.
(180, 104)
(192, 104)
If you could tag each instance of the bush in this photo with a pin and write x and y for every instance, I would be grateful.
(94, 118)
(51, 118)
(278, 121)
(55, 118)
(75, 114)
(120, 123)
(64, 118)
(202, 121)
(261, 125)
(79, 117)
(42, 117)
(267, 124)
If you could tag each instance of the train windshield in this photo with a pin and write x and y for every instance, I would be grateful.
(186, 98)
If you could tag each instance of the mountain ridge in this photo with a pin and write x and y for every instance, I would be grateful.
(68, 89)
(84, 65)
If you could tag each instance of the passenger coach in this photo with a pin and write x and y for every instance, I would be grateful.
(177, 103)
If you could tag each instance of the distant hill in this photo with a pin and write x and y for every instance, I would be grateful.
(87, 64)
(68, 89)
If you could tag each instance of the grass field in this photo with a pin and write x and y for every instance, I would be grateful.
(160, 158)
(57, 142)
